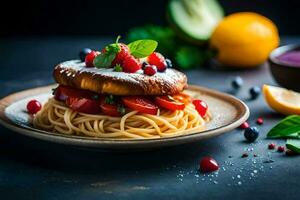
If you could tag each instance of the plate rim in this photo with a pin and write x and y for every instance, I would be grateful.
(111, 143)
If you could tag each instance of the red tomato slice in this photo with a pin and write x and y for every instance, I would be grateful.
(140, 104)
(62, 92)
(84, 105)
(200, 106)
(109, 109)
(167, 103)
(182, 97)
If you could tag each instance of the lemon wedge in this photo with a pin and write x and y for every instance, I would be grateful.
(282, 100)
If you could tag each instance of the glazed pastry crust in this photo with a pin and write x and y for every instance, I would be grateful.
(105, 81)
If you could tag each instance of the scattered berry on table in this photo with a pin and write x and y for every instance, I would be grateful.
(254, 92)
(255, 155)
(280, 149)
(260, 121)
(208, 164)
(121, 55)
(237, 82)
(33, 106)
(271, 146)
(169, 63)
(244, 155)
(158, 60)
(131, 64)
(144, 64)
(244, 125)
(150, 70)
(251, 134)
(83, 53)
(90, 58)
(289, 152)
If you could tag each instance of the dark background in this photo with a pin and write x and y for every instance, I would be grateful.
(111, 17)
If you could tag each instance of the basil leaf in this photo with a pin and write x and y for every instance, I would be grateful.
(104, 60)
(289, 127)
(293, 145)
(142, 48)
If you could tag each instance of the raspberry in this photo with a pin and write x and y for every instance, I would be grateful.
(131, 64)
(150, 70)
(271, 146)
(244, 125)
(158, 60)
(90, 58)
(121, 55)
(260, 121)
(280, 149)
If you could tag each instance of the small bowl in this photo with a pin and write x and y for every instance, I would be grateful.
(285, 74)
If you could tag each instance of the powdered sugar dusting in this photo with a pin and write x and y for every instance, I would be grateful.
(170, 75)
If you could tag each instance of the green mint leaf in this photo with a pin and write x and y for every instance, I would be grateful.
(294, 145)
(104, 60)
(142, 48)
(289, 127)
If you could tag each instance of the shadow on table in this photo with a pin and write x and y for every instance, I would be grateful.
(34, 153)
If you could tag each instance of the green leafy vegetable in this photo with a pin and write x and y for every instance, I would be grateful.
(187, 57)
(142, 48)
(286, 128)
(184, 55)
(293, 145)
(165, 37)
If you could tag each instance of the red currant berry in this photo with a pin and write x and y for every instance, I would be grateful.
(260, 121)
(33, 106)
(244, 125)
(90, 58)
(280, 149)
(208, 164)
(158, 60)
(150, 70)
(271, 146)
(289, 152)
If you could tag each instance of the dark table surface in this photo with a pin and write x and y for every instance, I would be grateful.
(32, 169)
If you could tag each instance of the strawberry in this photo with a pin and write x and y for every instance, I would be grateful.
(131, 64)
(121, 55)
(158, 60)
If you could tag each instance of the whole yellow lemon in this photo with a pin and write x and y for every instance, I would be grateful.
(244, 39)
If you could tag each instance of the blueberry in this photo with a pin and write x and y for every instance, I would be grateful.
(254, 92)
(169, 63)
(251, 134)
(83, 53)
(144, 64)
(237, 82)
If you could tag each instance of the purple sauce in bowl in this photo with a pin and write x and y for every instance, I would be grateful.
(290, 58)
(284, 65)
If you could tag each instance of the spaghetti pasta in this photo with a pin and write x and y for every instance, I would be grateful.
(56, 116)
